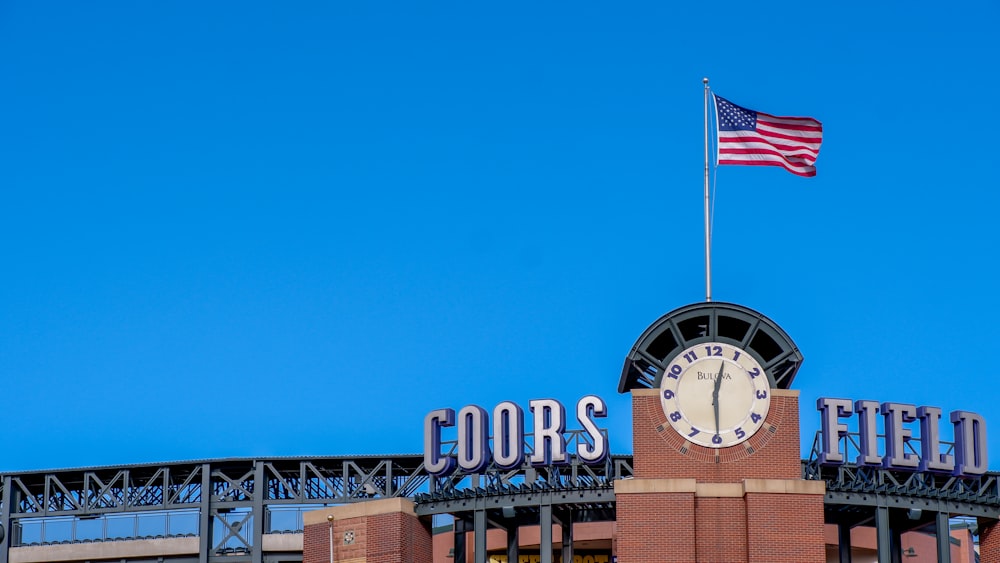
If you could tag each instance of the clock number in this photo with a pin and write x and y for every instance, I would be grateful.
(668, 394)
(675, 370)
(755, 417)
(691, 356)
(693, 431)
(740, 433)
(675, 416)
(716, 439)
(713, 350)
(761, 394)
(754, 373)
(736, 355)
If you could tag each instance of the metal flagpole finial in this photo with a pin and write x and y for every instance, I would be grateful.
(705, 81)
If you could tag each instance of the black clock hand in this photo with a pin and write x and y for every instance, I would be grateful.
(715, 395)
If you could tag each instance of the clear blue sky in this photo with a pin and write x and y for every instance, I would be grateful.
(259, 229)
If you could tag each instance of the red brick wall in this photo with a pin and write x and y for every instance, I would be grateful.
(398, 538)
(383, 538)
(719, 523)
(785, 528)
(316, 543)
(658, 527)
(721, 529)
(769, 454)
(989, 540)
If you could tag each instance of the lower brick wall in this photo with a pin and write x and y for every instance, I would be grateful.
(315, 543)
(655, 527)
(398, 538)
(721, 529)
(372, 532)
(746, 503)
(719, 524)
(989, 540)
(785, 528)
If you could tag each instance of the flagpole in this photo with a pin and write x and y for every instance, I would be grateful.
(708, 234)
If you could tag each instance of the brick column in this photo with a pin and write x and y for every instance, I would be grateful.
(386, 531)
(655, 520)
(785, 513)
(743, 503)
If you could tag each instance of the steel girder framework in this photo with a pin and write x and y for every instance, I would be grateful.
(852, 485)
(233, 498)
(586, 487)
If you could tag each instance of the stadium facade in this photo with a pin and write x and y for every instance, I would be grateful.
(716, 475)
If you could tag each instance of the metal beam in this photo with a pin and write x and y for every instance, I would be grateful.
(461, 527)
(259, 511)
(479, 535)
(943, 535)
(513, 541)
(844, 541)
(545, 533)
(5, 521)
(205, 514)
(883, 534)
(567, 534)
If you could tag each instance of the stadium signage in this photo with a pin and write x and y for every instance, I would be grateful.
(967, 458)
(472, 452)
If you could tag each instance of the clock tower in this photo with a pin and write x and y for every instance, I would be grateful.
(716, 450)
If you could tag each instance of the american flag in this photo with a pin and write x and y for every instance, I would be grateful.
(751, 138)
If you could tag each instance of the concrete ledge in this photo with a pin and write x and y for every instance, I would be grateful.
(785, 486)
(359, 509)
(784, 392)
(639, 486)
(282, 542)
(719, 490)
(121, 550)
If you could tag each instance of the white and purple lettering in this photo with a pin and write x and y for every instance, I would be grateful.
(897, 436)
(473, 439)
(868, 432)
(508, 432)
(931, 458)
(434, 462)
(969, 459)
(550, 423)
(472, 454)
(970, 443)
(595, 449)
(832, 410)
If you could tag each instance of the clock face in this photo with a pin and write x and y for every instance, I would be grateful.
(715, 395)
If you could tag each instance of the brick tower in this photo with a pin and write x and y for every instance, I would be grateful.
(717, 468)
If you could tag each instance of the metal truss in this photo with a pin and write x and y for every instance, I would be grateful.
(233, 498)
(574, 474)
(587, 488)
(229, 483)
(851, 484)
(233, 503)
(597, 501)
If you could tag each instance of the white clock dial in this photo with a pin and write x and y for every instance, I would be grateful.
(715, 395)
